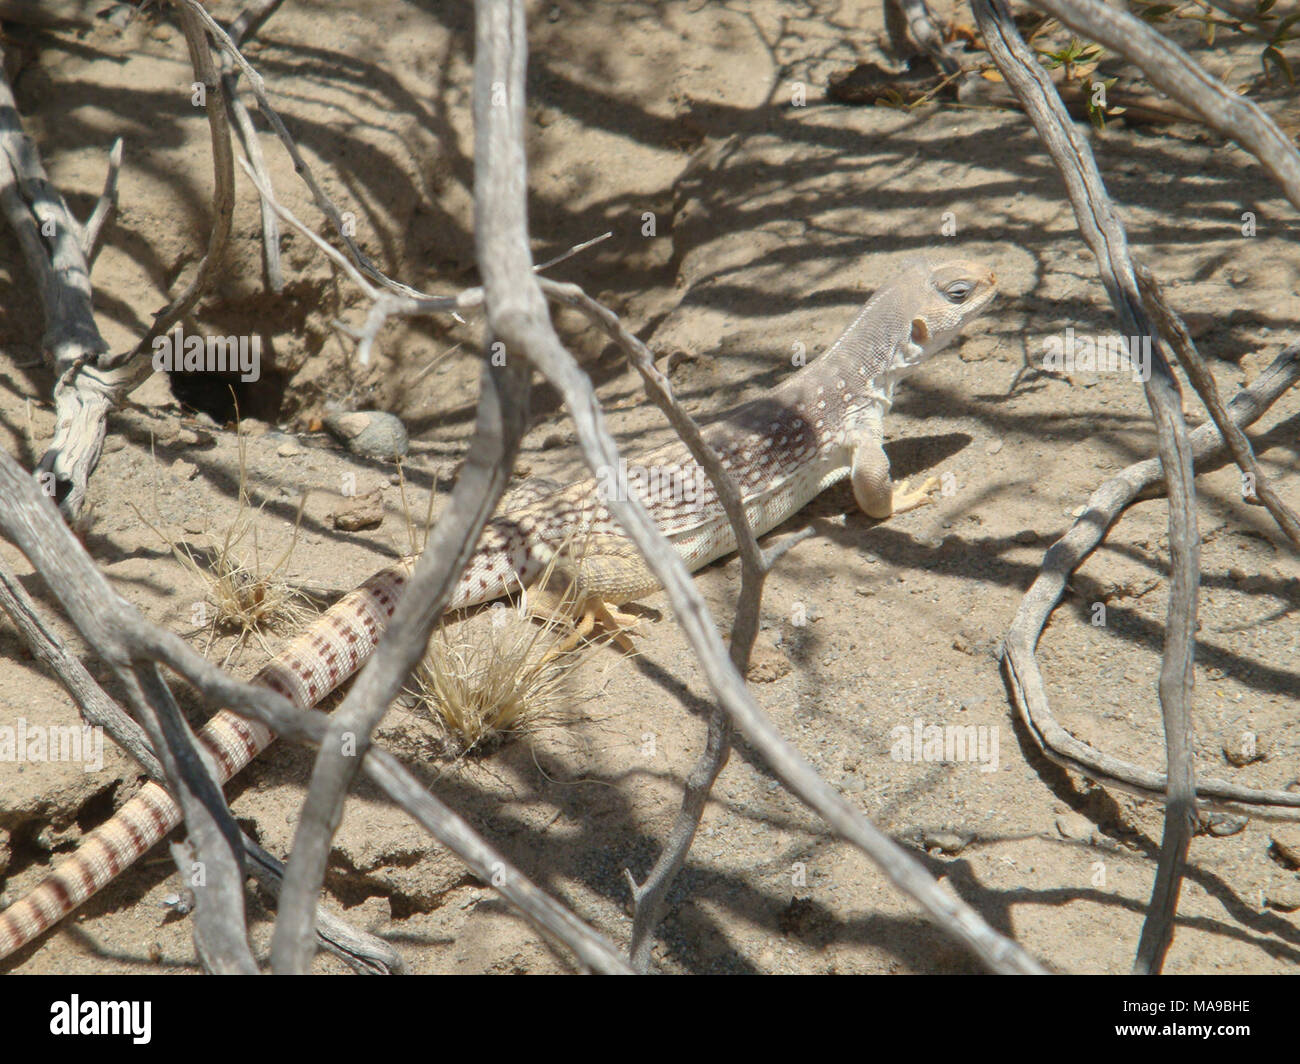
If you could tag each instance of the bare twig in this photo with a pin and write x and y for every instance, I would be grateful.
(502, 418)
(1255, 485)
(911, 25)
(104, 206)
(1067, 554)
(52, 244)
(246, 25)
(1104, 233)
(363, 951)
(212, 865)
(300, 166)
(650, 896)
(383, 305)
(223, 181)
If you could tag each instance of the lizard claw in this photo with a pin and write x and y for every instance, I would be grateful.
(596, 612)
(909, 500)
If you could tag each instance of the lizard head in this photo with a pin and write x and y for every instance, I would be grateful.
(951, 292)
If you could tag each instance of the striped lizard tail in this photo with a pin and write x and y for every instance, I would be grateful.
(311, 666)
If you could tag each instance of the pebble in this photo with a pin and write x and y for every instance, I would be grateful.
(370, 433)
(1285, 899)
(1286, 841)
(1244, 748)
(289, 449)
(949, 842)
(1075, 826)
(1221, 825)
(367, 511)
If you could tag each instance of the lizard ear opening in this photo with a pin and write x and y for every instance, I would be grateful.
(920, 331)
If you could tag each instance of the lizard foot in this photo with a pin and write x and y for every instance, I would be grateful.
(909, 500)
(594, 612)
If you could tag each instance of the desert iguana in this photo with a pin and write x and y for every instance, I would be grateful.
(820, 425)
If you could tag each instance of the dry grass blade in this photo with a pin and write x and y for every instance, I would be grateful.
(246, 600)
(503, 679)
(499, 682)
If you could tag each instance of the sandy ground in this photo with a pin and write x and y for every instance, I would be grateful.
(771, 222)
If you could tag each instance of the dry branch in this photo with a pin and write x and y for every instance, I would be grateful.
(1067, 554)
(1104, 233)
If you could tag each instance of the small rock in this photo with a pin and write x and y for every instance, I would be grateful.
(1286, 843)
(553, 441)
(185, 470)
(253, 427)
(1026, 537)
(289, 449)
(993, 446)
(1285, 899)
(370, 433)
(1075, 826)
(366, 511)
(1244, 748)
(949, 842)
(1221, 825)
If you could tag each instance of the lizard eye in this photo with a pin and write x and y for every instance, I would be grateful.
(958, 291)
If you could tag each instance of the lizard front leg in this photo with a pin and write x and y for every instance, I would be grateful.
(877, 496)
(588, 582)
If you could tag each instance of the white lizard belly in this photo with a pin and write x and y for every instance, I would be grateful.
(714, 538)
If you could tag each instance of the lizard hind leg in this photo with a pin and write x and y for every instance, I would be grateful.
(584, 616)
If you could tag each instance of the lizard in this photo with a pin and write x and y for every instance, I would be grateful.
(820, 425)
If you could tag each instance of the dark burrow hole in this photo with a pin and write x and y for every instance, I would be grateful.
(225, 396)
